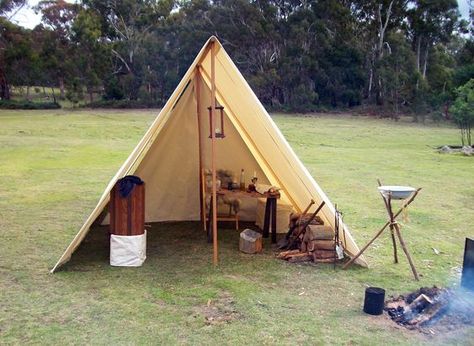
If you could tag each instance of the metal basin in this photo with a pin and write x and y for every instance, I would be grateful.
(397, 192)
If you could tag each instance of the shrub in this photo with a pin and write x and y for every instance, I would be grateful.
(463, 110)
(12, 104)
(124, 104)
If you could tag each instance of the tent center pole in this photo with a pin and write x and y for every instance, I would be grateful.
(215, 258)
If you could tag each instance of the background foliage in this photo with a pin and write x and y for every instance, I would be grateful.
(401, 55)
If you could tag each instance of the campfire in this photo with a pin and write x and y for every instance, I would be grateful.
(431, 308)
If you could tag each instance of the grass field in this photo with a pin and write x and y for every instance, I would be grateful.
(55, 164)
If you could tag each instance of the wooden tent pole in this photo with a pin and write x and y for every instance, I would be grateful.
(197, 82)
(213, 153)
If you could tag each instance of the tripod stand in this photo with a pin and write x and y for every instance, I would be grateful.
(395, 230)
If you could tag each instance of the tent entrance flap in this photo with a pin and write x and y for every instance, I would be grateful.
(172, 153)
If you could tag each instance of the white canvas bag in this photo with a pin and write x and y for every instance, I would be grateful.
(127, 251)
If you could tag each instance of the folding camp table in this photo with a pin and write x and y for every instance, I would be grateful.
(270, 209)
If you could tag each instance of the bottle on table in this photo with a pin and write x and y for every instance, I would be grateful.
(242, 180)
(254, 179)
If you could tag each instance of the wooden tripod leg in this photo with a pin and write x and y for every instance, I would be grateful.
(395, 256)
(414, 194)
(404, 247)
(365, 247)
(388, 206)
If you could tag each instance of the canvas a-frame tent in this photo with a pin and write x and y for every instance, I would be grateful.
(169, 156)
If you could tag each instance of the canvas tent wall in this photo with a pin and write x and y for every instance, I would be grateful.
(167, 157)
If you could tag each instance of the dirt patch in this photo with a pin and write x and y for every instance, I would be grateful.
(218, 311)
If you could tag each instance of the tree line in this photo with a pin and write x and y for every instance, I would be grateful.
(298, 55)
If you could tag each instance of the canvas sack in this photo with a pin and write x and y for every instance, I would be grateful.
(127, 251)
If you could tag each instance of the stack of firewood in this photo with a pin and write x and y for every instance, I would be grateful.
(315, 243)
(319, 241)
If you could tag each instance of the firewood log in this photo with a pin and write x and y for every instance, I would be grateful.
(423, 309)
(308, 236)
(419, 304)
(323, 254)
(305, 257)
(314, 234)
(295, 216)
(284, 254)
(304, 247)
(319, 232)
(299, 254)
(323, 260)
(295, 256)
(433, 311)
(322, 245)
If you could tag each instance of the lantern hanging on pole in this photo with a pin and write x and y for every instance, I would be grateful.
(219, 131)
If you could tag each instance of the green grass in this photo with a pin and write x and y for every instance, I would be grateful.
(55, 164)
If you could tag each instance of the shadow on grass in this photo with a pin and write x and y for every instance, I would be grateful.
(170, 244)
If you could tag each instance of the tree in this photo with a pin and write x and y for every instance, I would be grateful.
(127, 25)
(8, 8)
(465, 63)
(74, 91)
(375, 21)
(58, 15)
(296, 54)
(430, 22)
(17, 57)
(397, 70)
(463, 111)
(22, 61)
(5, 27)
(90, 54)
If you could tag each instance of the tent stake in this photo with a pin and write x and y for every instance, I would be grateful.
(215, 258)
